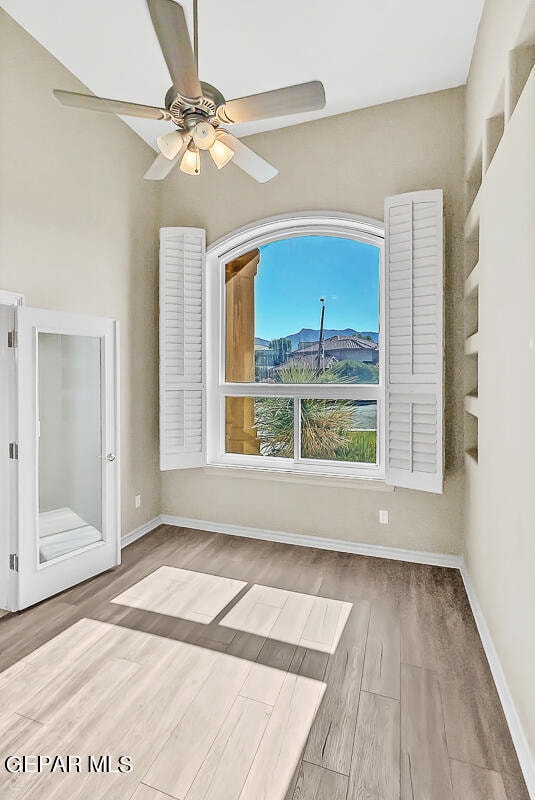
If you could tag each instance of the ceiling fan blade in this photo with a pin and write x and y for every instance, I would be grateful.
(92, 103)
(161, 167)
(171, 29)
(277, 103)
(247, 160)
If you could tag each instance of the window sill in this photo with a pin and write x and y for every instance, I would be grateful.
(306, 478)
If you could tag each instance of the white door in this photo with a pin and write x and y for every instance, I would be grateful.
(8, 465)
(68, 487)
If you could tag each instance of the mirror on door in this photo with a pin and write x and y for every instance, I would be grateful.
(70, 443)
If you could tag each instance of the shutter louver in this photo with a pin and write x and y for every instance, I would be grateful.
(414, 340)
(182, 438)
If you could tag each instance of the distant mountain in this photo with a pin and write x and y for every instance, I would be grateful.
(372, 334)
(311, 335)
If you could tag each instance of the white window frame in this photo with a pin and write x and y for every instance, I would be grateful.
(318, 223)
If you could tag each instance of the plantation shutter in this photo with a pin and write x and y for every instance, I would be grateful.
(182, 437)
(414, 340)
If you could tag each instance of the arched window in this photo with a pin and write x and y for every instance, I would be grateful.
(295, 357)
(310, 343)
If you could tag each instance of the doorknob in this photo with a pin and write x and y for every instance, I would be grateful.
(110, 457)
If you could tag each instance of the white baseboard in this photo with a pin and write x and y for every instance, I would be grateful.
(523, 751)
(518, 736)
(395, 553)
(137, 533)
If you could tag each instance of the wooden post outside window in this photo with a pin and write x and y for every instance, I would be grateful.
(240, 433)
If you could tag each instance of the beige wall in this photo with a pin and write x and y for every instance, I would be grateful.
(500, 498)
(349, 163)
(78, 232)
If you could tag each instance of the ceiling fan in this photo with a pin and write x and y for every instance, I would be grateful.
(198, 109)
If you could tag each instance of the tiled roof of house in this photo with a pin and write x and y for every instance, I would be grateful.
(306, 360)
(338, 343)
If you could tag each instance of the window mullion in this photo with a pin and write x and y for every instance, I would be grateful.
(326, 391)
(297, 429)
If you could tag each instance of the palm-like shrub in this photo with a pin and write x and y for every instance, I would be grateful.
(324, 427)
(299, 373)
(324, 423)
(274, 423)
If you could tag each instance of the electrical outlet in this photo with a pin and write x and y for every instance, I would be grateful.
(137, 500)
(383, 517)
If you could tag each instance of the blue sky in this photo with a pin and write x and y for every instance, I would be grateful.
(294, 273)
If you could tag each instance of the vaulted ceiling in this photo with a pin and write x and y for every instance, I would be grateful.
(365, 53)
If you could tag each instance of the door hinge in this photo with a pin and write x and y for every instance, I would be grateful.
(14, 562)
(12, 338)
(13, 450)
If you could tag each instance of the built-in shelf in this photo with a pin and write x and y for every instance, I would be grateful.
(471, 435)
(471, 375)
(471, 455)
(474, 177)
(471, 345)
(471, 303)
(492, 136)
(471, 314)
(471, 404)
(519, 70)
(471, 252)
(471, 284)
(520, 64)
(471, 226)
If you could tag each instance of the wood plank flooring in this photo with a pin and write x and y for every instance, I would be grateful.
(392, 700)
(183, 593)
(376, 749)
(314, 623)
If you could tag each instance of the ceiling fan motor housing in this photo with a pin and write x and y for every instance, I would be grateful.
(206, 106)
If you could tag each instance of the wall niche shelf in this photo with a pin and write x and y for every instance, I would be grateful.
(471, 378)
(471, 314)
(521, 61)
(471, 283)
(471, 227)
(471, 252)
(471, 345)
(474, 178)
(492, 136)
(472, 455)
(519, 70)
(471, 434)
(471, 405)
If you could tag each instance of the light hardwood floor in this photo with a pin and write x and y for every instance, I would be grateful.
(220, 666)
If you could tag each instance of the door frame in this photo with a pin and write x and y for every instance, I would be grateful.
(46, 580)
(8, 540)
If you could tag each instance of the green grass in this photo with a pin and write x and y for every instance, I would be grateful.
(361, 446)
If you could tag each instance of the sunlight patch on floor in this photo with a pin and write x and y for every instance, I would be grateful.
(302, 619)
(197, 724)
(183, 593)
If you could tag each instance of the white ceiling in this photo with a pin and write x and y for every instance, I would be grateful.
(366, 52)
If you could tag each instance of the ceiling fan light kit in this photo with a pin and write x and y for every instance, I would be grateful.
(197, 108)
(171, 143)
(221, 153)
(204, 135)
(191, 162)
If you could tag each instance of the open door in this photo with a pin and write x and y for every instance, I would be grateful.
(68, 486)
